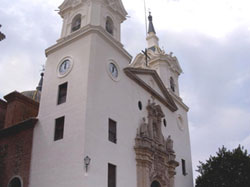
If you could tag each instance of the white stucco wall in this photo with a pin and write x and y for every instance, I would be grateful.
(92, 98)
(60, 163)
(119, 101)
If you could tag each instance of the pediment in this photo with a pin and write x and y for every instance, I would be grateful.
(149, 80)
(158, 56)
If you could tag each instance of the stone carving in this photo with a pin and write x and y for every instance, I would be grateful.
(143, 129)
(169, 144)
(154, 155)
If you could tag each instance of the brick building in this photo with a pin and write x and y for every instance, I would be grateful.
(17, 120)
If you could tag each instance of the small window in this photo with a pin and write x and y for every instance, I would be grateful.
(62, 93)
(140, 105)
(15, 182)
(109, 26)
(183, 163)
(155, 184)
(111, 175)
(172, 84)
(164, 122)
(112, 131)
(59, 127)
(76, 23)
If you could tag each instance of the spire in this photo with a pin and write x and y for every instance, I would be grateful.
(151, 26)
(152, 39)
(39, 87)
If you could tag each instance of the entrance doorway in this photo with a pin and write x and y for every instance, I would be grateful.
(155, 184)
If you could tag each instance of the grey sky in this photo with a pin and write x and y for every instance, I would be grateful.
(213, 48)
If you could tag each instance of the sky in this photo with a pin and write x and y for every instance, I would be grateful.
(210, 38)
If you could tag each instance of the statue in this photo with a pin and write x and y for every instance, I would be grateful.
(143, 128)
(169, 144)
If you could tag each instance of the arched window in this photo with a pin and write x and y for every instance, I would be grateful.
(15, 182)
(76, 23)
(155, 184)
(172, 84)
(109, 25)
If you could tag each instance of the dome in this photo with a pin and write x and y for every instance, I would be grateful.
(33, 94)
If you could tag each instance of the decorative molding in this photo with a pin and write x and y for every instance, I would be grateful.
(178, 99)
(155, 156)
(167, 100)
(29, 123)
(157, 56)
(68, 4)
(117, 6)
(88, 29)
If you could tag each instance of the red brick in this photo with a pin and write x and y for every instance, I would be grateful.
(3, 107)
(19, 108)
(17, 158)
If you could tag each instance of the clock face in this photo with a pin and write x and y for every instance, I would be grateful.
(64, 67)
(113, 70)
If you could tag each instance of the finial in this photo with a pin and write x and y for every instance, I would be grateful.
(40, 84)
(150, 18)
(151, 26)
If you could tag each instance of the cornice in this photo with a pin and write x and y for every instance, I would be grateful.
(88, 29)
(167, 101)
(27, 124)
(157, 58)
(178, 100)
(20, 97)
(171, 61)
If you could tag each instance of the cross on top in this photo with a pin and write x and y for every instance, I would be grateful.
(146, 56)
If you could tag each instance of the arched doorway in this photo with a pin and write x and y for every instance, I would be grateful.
(155, 184)
(15, 182)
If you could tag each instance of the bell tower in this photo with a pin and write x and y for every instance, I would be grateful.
(166, 65)
(77, 14)
(162, 143)
(81, 71)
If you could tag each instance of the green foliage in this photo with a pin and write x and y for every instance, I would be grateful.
(2, 36)
(226, 169)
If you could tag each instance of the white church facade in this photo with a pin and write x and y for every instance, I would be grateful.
(104, 119)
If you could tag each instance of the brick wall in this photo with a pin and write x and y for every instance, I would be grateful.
(19, 108)
(3, 107)
(16, 135)
(15, 152)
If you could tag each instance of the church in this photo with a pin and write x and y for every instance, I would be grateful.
(98, 117)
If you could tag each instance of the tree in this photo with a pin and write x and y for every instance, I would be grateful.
(2, 36)
(226, 169)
